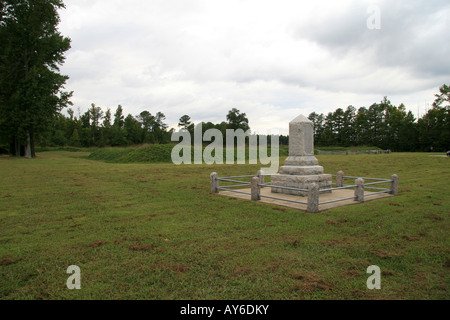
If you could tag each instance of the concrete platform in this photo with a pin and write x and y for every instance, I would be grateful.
(337, 194)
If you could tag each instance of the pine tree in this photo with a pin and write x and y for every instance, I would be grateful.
(31, 52)
(184, 122)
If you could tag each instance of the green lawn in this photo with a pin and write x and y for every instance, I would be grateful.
(154, 231)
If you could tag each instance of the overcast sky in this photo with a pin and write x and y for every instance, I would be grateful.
(273, 60)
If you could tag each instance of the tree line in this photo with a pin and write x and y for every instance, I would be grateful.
(386, 126)
(382, 125)
(98, 128)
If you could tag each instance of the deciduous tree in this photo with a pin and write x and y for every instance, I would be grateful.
(237, 120)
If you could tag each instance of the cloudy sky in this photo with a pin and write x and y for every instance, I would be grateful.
(273, 60)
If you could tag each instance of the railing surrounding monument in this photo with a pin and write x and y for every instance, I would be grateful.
(313, 203)
(351, 152)
(231, 187)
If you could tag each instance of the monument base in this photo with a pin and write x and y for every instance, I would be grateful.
(302, 170)
(301, 182)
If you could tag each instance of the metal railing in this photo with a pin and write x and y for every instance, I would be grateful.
(312, 194)
(352, 152)
(239, 184)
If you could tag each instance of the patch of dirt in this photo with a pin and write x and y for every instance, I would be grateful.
(447, 264)
(292, 241)
(146, 247)
(96, 244)
(422, 234)
(352, 273)
(274, 266)
(66, 218)
(336, 223)
(352, 270)
(420, 277)
(395, 204)
(310, 282)
(332, 242)
(177, 268)
(409, 238)
(298, 276)
(433, 217)
(358, 293)
(381, 254)
(238, 272)
(8, 261)
(364, 262)
(120, 240)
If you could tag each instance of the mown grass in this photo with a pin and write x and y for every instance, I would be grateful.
(154, 231)
(156, 154)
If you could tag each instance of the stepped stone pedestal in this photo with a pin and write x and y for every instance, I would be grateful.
(301, 168)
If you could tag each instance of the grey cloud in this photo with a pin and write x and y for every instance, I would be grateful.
(412, 35)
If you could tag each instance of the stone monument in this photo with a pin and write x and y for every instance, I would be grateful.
(301, 168)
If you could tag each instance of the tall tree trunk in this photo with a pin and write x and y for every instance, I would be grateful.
(28, 147)
(33, 150)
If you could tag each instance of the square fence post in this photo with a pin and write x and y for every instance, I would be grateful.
(340, 179)
(359, 190)
(260, 175)
(214, 183)
(395, 184)
(256, 190)
(313, 198)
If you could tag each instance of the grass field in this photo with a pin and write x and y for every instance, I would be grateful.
(154, 231)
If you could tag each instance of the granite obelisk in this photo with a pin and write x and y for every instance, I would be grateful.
(301, 168)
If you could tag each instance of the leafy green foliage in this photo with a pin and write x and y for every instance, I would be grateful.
(185, 122)
(434, 127)
(237, 120)
(30, 55)
(386, 126)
